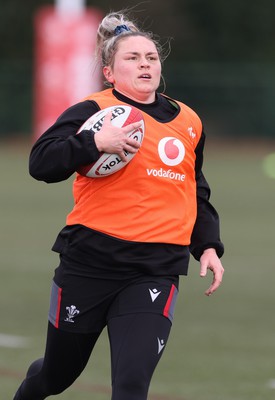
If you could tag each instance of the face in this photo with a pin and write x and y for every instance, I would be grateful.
(136, 69)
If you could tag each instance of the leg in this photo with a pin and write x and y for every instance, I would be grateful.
(137, 342)
(65, 358)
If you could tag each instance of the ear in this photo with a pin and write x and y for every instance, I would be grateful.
(107, 72)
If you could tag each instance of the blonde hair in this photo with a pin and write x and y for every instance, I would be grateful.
(115, 27)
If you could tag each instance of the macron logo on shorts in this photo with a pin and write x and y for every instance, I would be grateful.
(161, 345)
(154, 294)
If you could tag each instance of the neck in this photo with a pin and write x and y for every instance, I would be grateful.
(142, 99)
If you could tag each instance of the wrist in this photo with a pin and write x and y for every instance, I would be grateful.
(98, 142)
(209, 250)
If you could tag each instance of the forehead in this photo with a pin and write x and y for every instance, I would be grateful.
(136, 44)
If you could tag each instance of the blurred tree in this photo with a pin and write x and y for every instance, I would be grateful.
(16, 28)
(236, 30)
(212, 29)
(224, 46)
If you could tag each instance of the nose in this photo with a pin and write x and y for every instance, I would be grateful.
(144, 63)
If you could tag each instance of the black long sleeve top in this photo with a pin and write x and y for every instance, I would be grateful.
(59, 152)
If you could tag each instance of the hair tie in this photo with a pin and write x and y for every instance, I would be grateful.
(120, 29)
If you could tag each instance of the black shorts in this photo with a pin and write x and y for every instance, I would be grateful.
(83, 301)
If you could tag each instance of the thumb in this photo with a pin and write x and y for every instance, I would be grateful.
(203, 270)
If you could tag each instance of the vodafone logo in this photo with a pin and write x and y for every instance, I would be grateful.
(171, 151)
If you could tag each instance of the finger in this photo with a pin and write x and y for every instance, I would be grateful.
(123, 156)
(126, 150)
(132, 145)
(132, 127)
(203, 270)
(215, 284)
(217, 280)
(107, 118)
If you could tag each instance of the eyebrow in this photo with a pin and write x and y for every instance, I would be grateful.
(137, 53)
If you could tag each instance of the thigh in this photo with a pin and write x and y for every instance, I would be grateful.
(139, 323)
(79, 299)
(147, 294)
(66, 356)
(67, 352)
(137, 343)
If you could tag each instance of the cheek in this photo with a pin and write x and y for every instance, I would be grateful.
(123, 71)
(123, 76)
(159, 69)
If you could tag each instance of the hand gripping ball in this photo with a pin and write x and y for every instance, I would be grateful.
(107, 164)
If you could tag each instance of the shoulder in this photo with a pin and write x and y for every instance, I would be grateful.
(79, 111)
(86, 107)
(185, 113)
(181, 106)
(107, 93)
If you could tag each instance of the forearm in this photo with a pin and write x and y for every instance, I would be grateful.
(61, 149)
(206, 231)
(54, 159)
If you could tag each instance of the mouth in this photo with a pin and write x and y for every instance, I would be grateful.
(145, 76)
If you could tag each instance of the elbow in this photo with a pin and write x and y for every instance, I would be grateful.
(37, 175)
(36, 169)
(34, 172)
(49, 175)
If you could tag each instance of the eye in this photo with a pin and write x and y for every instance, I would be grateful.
(152, 58)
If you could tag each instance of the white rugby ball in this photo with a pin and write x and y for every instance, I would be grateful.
(107, 164)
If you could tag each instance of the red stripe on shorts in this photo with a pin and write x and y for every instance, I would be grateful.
(169, 302)
(59, 296)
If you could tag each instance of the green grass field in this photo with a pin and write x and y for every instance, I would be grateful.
(221, 348)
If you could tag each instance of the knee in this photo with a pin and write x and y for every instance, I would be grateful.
(35, 367)
(54, 385)
(130, 387)
(55, 382)
(49, 384)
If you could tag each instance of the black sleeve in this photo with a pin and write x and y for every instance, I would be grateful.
(60, 150)
(206, 232)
